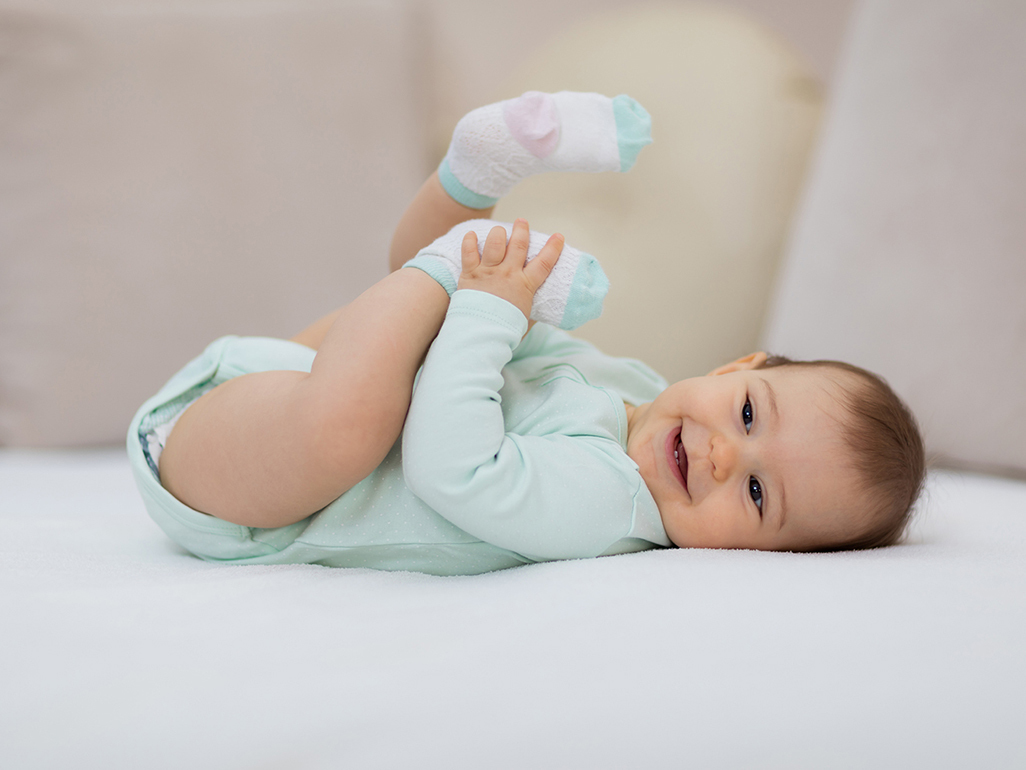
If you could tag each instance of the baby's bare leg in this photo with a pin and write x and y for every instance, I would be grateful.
(431, 215)
(270, 448)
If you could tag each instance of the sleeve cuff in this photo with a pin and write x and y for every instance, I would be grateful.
(482, 305)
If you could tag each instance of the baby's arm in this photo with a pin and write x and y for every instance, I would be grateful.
(544, 496)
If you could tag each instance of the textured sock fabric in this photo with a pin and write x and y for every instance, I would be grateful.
(495, 146)
(572, 294)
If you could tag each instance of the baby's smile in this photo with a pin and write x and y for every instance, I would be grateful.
(677, 458)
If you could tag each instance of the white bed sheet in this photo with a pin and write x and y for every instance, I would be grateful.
(118, 650)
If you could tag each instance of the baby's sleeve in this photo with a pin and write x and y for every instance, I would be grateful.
(545, 497)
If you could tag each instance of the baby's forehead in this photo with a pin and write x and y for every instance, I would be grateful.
(808, 372)
(839, 385)
(817, 401)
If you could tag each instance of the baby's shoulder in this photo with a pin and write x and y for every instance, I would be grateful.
(546, 397)
(548, 341)
(546, 349)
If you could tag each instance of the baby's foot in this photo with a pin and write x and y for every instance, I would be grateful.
(494, 147)
(572, 294)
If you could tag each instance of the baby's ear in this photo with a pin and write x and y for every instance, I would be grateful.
(751, 361)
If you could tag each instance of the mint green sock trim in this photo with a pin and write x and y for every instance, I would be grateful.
(589, 289)
(633, 129)
(461, 194)
(433, 266)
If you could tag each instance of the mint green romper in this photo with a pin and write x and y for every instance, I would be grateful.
(513, 452)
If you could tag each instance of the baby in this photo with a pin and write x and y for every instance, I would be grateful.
(430, 426)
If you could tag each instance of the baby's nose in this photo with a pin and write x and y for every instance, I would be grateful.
(724, 456)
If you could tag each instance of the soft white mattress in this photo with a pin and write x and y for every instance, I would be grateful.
(118, 650)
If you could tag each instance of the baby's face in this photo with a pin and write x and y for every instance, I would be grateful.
(749, 458)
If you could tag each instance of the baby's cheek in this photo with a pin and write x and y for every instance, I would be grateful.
(727, 523)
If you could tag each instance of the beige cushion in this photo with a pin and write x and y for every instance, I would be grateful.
(175, 171)
(910, 254)
(691, 236)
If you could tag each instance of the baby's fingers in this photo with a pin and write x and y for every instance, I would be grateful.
(468, 252)
(519, 243)
(494, 247)
(538, 269)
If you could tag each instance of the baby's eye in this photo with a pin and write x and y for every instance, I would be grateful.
(746, 415)
(755, 490)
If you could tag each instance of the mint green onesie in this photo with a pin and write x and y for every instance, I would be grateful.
(513, 452)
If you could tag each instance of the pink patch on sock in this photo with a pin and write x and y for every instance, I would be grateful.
(534, 122)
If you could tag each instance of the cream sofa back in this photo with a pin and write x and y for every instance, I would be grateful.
(691, 237)
(909, 255)
(172, 172)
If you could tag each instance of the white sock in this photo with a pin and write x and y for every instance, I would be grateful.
(572, 294)
(494, 147)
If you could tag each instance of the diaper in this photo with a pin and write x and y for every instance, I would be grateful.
(156, 426)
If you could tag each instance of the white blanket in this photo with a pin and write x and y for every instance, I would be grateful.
(118, 650)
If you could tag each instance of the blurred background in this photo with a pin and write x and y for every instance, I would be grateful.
(478, 45)
(829, 178)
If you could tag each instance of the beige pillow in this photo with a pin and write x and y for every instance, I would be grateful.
(691, 236)
(175, 171)
(909, 257)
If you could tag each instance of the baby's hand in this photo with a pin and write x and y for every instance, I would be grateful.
(501, 268)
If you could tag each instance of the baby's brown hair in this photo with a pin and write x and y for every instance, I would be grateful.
(886, 448)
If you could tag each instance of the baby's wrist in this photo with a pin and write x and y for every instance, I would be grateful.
(511, 298)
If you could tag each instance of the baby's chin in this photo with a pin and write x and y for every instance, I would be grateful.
(717, 541)
(730, 541)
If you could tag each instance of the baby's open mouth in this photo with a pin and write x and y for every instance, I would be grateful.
(680, 459)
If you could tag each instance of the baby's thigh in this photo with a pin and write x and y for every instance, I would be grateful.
(264, 449)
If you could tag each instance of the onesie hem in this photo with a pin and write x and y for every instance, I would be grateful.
(201, 534)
